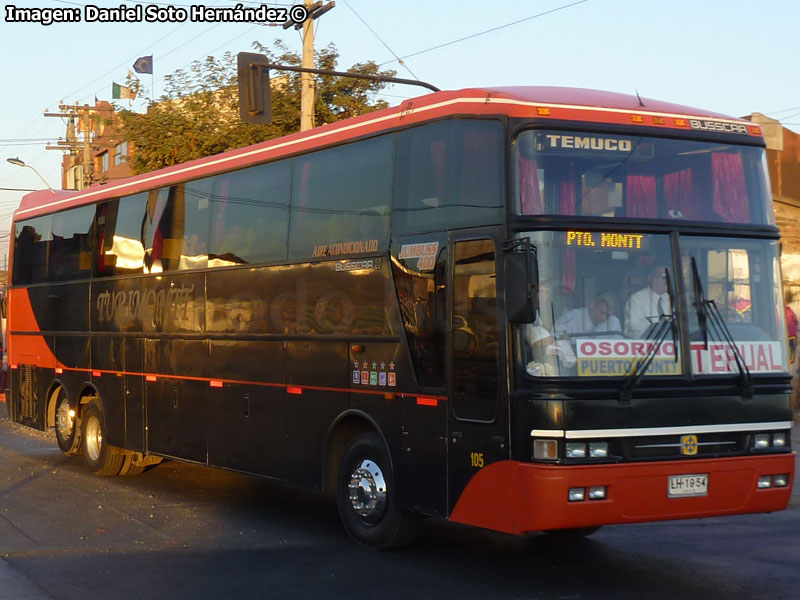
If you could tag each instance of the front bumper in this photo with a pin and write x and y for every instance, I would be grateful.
(516, 497)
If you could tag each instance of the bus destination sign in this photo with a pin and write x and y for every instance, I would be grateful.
(602, 239)
(555, 142)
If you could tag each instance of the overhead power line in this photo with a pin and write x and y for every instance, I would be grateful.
(397, 58)
(474, 35)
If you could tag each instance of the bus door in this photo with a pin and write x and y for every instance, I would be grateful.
(477, 426)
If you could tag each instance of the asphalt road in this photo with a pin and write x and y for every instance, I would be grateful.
(185, 531)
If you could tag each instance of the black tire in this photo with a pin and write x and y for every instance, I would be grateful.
(128, 468)
(370, 512)
(68, 427)
(102, 459)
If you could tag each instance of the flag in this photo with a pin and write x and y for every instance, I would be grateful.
(120, 92)
(144, 64)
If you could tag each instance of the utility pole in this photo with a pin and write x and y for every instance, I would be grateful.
(314, 11)
(307, 79)
(83, 114)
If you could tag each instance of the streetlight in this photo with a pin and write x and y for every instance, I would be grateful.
(21, 163)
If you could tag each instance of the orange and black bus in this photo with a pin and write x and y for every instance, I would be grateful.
(524, 309)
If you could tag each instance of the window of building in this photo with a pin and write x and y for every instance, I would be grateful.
(120, 153)
(103, 159)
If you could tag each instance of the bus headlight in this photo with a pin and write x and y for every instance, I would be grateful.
(778, 440)
(576, 450)
(761, 441)
(598, 449)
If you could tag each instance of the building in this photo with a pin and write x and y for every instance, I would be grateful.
(783, 160)
(109, 150)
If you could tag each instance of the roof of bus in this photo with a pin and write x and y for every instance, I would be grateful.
(552, 103)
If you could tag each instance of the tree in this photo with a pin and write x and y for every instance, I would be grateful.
(198, 114)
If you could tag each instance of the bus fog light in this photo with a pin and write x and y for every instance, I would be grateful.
(779, 440)
(597, 492)
(598, 449)
(764, 482)
(576, 494)
(576, 450)
(761, 441)
(545, 449)
(781, 480)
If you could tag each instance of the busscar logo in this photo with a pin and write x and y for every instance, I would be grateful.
(703, 125)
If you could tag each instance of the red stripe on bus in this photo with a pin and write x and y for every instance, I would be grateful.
(291, 389)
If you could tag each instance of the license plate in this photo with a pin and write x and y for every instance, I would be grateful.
(681, 486)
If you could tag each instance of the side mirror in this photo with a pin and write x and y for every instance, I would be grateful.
(522, 298)
(3, 307)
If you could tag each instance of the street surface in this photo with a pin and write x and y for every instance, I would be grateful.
(184, 531)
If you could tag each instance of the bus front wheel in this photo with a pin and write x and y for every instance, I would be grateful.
(368, 497)
(68, 430)
(102, 459)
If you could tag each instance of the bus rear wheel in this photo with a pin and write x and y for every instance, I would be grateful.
(368, 497)
(68, 430)
(102, 459)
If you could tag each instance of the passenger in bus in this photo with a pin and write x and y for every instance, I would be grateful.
(644, 308)
(549, 357)
(597, 317)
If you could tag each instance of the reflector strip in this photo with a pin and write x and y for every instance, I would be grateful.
(215, 383)
(59, 371)
(294, 390)
(151, 378)
(96, 373)
(427, 401)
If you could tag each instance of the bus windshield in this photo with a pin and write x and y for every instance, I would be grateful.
(607, 299)
(621, 176)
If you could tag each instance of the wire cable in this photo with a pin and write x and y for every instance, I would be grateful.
(372, 31)
(474, 35)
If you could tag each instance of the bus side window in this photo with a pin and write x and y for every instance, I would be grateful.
(449, 174)
(250, 214)
(70, 252)
(423, 306)
(341, 199)
(174, 220)
(31, 249)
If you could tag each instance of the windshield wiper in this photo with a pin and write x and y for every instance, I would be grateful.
(658, 334)
(708, 314)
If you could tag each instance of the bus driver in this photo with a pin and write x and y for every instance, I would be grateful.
(644, 307)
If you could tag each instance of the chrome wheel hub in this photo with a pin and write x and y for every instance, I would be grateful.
(368, 491)
(65, 420)
(93, 438)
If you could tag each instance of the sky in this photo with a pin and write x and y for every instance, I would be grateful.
(727, 56)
